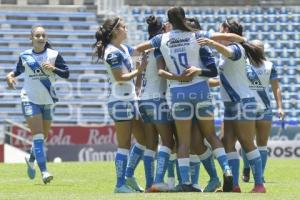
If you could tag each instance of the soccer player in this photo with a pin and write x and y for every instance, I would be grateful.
(190, 98)
(40, 64)
(156, 115)
(262, 75)
(239, 101)
(122, 105)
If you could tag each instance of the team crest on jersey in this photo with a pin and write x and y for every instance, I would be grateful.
(255, 83)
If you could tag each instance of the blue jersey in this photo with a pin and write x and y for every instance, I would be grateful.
(181, 50)
(38, 82)
(120, 59)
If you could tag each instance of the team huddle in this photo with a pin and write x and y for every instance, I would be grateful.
(164, 100)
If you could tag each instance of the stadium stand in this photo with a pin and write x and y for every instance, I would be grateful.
(72, 33)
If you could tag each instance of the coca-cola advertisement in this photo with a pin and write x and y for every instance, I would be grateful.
(69, 135)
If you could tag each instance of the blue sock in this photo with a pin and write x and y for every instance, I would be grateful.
(162, 163)
(220, 154)
(121, 163)
(178, 172)
(171, 166)
(264, 156)
(135, 156)
(32, 157)
(209, 164)
(234, 164)
(245, 160)
(149, 167)
(256, 165)
(38, 143)
(184, 169)
(195, 168)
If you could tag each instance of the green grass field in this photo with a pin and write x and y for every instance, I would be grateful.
(96, 180)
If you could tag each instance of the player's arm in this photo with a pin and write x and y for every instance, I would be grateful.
(10, 77)
(155, 42)
(276, 91)
(60, 67)
(213, 82)
(227, 37)
(232, 51)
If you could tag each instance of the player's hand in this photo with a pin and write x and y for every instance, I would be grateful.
(11, 82)
(141, 66)
(281, 114)
(48, 67)
(205, 41)
(192, 71)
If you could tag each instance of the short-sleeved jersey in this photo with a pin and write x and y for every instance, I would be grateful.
(233, 76)
(180, 50)
(38, 83)
(116, 58)
(260, 78)
(153, 85)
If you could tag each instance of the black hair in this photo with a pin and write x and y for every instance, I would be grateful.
(254, 53)
(194, 23)
(155, 26)
(104, 35)
(176, 17)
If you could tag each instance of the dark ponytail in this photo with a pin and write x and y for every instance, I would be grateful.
(194, 23)
(104, 35)
(176, 17)
(155, 26)
(253, 52)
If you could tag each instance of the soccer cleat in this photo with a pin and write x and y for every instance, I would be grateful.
(212, 185)
(236, 189)
(131, 182)
(159, 187)
(258, 189)
(227, 181)
(47, 177)
(124, 189)
(197, 186)
(30, 168)
(186, 188)
(246, 175)
(171, 183)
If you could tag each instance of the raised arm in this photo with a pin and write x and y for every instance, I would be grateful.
(227, 37)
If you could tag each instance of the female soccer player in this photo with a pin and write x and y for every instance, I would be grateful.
(40, 64)
(122, 104)
(156, 115)
(261, 76)
(181, 51)
(239, 101)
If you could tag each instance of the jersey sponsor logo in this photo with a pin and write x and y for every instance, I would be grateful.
(176, 42)
(255, 83)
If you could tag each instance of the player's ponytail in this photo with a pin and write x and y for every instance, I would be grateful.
(104, 35)
(176, 17)
(253, 52)
(155, 26)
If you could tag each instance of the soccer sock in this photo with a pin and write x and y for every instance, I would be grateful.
(194, 168)
(32, 157)
(263, 150)
(149, 167)
(171, 165)
(135, 156)
(220, 154)
(178, 172)
(121, 163)
(234, 164)
(209, 164)
(162, 163)
(38, 143)
(256, 165)
(184, 169)
(245, 160)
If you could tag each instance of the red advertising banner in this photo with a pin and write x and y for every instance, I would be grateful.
(1, 152)
(69, 135)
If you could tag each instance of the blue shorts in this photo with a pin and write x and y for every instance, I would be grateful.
(265, 115)
(123, 110)
(190, 101)
(155, 111)
(30, 109)
(246, 109)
